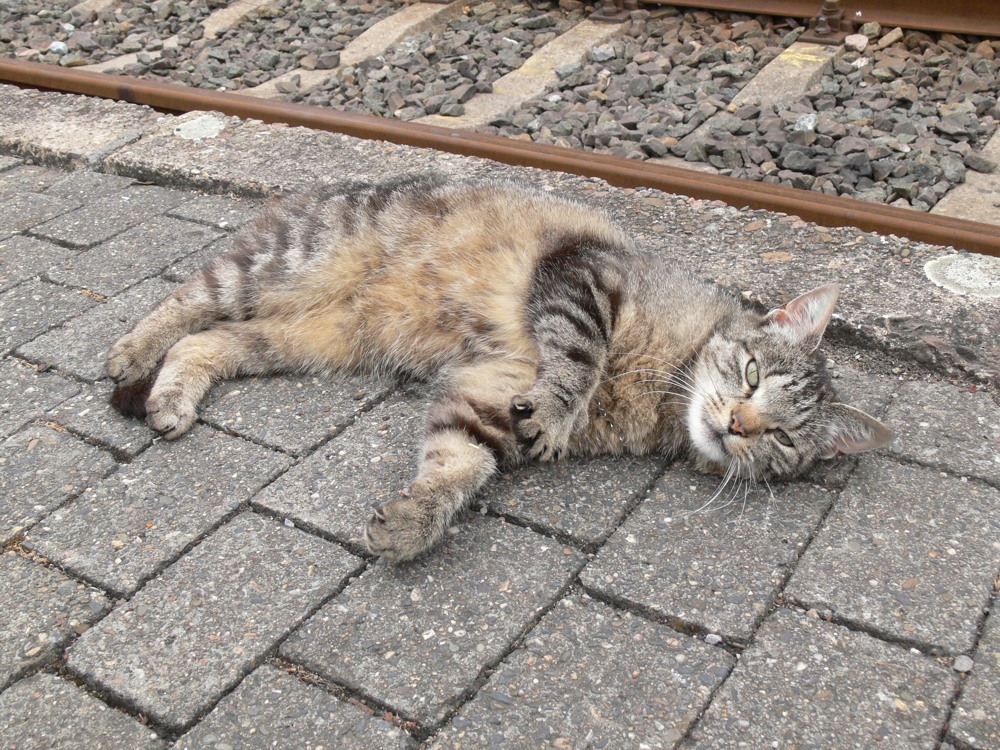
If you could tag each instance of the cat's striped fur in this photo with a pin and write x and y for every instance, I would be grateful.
(550, 333)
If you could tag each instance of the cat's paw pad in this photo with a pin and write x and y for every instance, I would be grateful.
(399, 531)
(128, 362)
(541, 427)
(170, 413)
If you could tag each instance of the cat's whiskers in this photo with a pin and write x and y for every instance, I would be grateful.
(722, 485)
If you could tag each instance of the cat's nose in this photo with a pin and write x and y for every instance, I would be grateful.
(736, 426)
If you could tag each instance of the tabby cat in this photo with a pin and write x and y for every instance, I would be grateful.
(550, 333)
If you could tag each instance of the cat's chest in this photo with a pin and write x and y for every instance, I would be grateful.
(629, 417)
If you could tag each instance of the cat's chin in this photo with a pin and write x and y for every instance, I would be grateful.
(705, 439)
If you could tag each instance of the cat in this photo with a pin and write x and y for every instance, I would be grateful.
(550, 333)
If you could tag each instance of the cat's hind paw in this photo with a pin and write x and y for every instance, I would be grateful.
(170, 413)
(400, 530)
(541, 428)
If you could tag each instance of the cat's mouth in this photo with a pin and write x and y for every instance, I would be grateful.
(706, 437)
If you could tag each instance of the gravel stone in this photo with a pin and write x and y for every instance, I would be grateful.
(898, 555)
(42, 610)
(270, 706)
(591, 676)
(42, 468)
(45, 712)
(476, 593)
(963, 664)
(718, 567)
(190, 635)
(127, 528)
(804, 682)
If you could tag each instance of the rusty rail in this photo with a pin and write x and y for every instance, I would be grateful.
(979, 17)
(817, 207)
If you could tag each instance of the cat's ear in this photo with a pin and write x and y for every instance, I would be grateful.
(804, 318)
(853, 431)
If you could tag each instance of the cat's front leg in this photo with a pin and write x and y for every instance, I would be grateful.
(468, 437)
(572, 310)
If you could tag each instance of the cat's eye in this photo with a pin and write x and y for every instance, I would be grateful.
(752, 374)
(782, 437)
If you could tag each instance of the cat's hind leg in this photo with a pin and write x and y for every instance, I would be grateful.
(468, 436)
(198, 360)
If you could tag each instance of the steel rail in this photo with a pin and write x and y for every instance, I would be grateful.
(979, 17)
(822, 209)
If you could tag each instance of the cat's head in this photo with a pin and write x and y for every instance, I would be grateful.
(762, 402)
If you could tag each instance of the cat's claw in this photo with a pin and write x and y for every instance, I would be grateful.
(399, 531)
(123, 363)
(542, 429)
(169, 415)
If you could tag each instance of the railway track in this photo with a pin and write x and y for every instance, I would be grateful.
(682, 101)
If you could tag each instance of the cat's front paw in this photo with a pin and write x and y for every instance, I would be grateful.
(542, 426)
(400, 530)
(129, 362)
(170, 412)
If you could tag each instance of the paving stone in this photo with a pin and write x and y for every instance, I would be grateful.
(415, 637)
(335, 489)
(271, 707)
(84, 186)
(807, 683)
(218, 211)
(870, 392)
(907, 552)
(187, 266)
(191, 634)
(717, 566)
(294, 414)
(24, 257)
(101, 220)
(29, 179)
(89, 414)
(126, 529)
(583, 499)
(975, 721)
(67, 129)
(28, 210)
(34, 307)
(26, 394)
(45, 712)
(591, 676)
(80, 346)
(41, 610)
(948, 427)
(133, 255)
(40, 468)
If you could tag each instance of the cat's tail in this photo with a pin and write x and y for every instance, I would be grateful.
(130, 400)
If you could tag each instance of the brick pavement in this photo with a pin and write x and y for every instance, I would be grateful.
(214, 592)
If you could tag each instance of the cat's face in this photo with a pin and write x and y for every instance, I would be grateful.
(761, 404)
